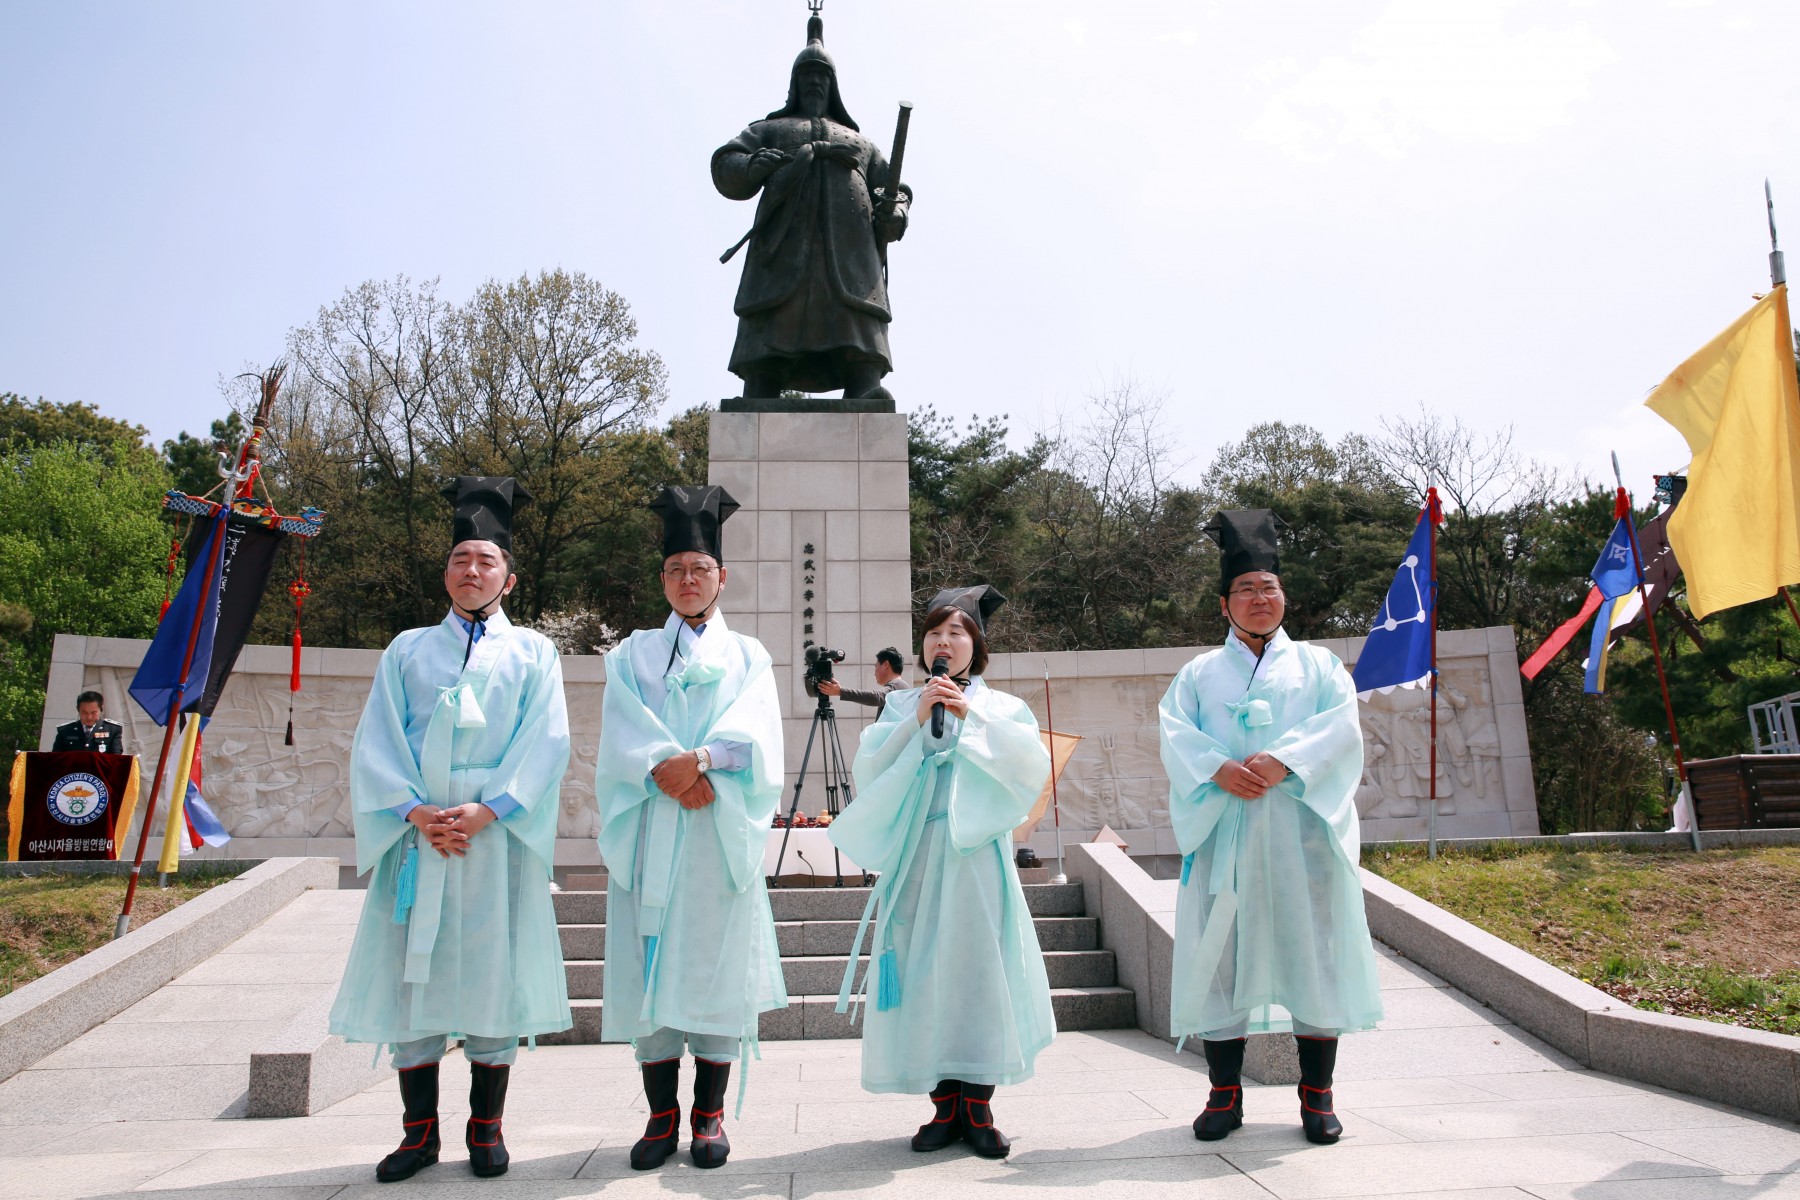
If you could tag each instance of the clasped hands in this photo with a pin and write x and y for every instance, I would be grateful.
(448, 830)
(680, 776)
(941, 689)
(766, 161)
(1252, 778)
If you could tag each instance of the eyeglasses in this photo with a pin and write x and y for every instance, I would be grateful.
(1267, 592)
(695, 573)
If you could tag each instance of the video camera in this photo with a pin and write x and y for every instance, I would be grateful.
(819, 660)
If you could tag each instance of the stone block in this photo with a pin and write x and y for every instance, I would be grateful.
(882, 437)
(1521, 789)
(1153, 1003)
(781, 1025)
(1510, 720)
(809, 530)
(580, 908)
(842, 590)
(1525, 824)
(774, 535)
(1461, 643)
(750, 624)
(886, 534)
(65, 681)
(807, 437)
(69, 647)
(304, 1069)
(114, 652)
(583, 668)
(1749, 1068)
(880, 630)
(1503, 639)
(738, 478)
(1105, 664)
(776, 632)
(743, 542)
(843, 631)
(731, 437)
(843, 535)
(1169, 660)
(884, 485)
(807, 485)
(775, 587)
(53, 1010)
(1094, 1008)
(886, 586)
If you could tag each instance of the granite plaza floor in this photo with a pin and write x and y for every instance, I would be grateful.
(1445, 1101)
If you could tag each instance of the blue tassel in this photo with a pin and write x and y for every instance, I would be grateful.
(649, 956)
(406, 885)
(887, 991)
(1187, 868)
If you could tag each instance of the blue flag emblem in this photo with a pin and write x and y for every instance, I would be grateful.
(1398, 652)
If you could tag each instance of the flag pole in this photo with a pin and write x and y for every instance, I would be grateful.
(1061, 875)
(162, 759)
(1431, 504)
(1777, 277)
(1662, 677)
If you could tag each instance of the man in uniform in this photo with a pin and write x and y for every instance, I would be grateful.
(812, 305)
(454, 777)
(1263, 751)
(688, 778)
(889, 677)
(92, 731)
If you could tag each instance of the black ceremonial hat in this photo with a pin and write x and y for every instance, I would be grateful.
(979, 602)
(484, 507)
(692, 517)
(1248, 540)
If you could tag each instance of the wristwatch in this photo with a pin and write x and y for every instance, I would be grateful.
(703, 760)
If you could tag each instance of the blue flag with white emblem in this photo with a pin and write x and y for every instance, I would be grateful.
(160, 676)
(1615, 573)
(1398, 652)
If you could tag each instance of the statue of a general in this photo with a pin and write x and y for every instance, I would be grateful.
(812, 305)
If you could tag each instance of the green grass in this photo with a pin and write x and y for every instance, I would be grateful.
(1704, 935)
(49, 920)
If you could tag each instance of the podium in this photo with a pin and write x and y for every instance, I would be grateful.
(65, 804)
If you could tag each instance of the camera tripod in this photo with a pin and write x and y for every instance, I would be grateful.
(837, 783)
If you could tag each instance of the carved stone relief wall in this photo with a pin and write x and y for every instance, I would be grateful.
(278, 799)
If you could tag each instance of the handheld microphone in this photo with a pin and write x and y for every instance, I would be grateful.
(940, 666)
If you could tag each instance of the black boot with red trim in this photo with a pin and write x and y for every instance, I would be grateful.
(662, 1087)
(419, 1092)
(1224, 1110)
(1318, 1058)
(978, 1122)
(487, 1101)
(946, 1126)
(710, 1146)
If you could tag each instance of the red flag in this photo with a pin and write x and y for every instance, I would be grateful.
(1565, 633)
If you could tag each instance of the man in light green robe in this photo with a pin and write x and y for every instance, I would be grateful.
(962, 1000)
(454, 776)
(688, 776)
(1263, 750)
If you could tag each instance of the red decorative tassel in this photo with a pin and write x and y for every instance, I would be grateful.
(294, 676)
(299, 590)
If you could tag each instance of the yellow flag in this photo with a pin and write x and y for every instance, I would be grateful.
(1736, 532)
(177, 827)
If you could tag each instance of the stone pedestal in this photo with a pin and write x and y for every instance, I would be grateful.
(820, 552)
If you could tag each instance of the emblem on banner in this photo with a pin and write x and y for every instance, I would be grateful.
(78, 798)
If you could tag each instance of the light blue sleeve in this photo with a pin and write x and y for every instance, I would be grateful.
(503, 805)
(729, 756)
(404, 810)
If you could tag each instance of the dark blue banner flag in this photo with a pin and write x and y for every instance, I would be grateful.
(160, 675)
(1398, 652)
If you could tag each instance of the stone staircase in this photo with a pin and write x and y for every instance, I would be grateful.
(815, 927)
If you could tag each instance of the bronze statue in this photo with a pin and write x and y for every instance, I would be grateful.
(812, 305)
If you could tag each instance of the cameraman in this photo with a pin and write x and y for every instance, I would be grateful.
(888, 678)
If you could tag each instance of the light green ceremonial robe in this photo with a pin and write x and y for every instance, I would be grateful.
(477, 952)
(690, 936)
(958, 978)
(1270, 920)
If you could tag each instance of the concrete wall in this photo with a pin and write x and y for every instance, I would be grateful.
(284, 800)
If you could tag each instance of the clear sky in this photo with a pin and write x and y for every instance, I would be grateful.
(1513, 211)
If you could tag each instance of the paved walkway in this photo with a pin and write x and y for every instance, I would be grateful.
(1444, 1101)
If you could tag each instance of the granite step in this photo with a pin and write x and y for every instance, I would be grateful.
(815, 1016)
(823, 974)
(803, 938)
(825, 903)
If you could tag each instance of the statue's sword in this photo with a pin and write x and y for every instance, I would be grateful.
(891, 193)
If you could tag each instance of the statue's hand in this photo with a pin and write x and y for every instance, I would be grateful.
(766, 162)
(839, 153)
(890, 226)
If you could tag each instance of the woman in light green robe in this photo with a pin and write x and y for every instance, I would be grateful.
(961, 998)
